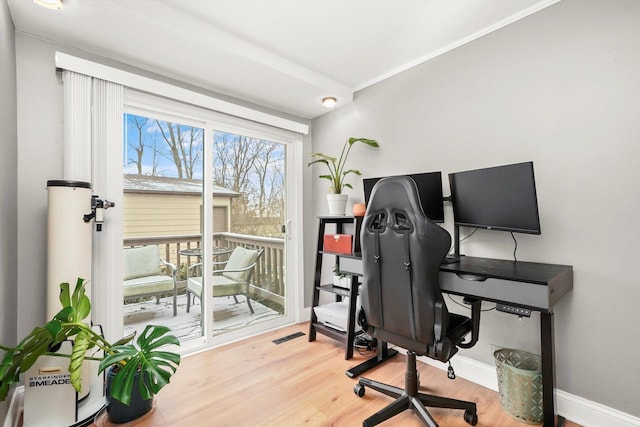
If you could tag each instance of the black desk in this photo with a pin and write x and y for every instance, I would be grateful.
(530, 285)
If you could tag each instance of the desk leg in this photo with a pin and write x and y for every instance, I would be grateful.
(548, 370)
(383, 353)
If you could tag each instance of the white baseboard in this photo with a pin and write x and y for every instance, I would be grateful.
(304, 315)
(15, 408)
(577, 409)
(592, 414)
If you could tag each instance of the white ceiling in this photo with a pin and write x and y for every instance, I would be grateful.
(282, 54)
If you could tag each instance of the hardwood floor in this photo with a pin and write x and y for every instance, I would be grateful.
(298, 383)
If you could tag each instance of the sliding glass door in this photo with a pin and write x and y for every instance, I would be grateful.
(205, 223)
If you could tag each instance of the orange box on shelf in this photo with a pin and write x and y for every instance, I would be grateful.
(338, 243)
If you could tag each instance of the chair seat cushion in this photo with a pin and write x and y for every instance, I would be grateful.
(240, 258)
(222, 286)
(147, 285)
(141, 262)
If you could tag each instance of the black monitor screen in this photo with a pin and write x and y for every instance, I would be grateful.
(429, 189)
(500, 198)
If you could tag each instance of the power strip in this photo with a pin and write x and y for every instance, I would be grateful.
(518, 311)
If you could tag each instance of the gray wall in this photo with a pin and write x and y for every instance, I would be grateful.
(8, 188)
(561, 88)
(39, 160)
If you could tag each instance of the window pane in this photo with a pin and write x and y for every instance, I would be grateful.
(251, 172)
(162, 207)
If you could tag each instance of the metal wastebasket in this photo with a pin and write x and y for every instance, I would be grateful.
(520, 384)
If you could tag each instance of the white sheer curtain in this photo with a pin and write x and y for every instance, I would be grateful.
(93, 129)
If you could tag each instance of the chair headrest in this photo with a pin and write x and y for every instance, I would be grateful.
(394, 203)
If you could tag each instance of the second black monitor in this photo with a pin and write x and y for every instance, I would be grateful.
(429, 188)
(496, 198)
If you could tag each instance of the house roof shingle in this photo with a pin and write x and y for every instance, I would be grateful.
(168, 185)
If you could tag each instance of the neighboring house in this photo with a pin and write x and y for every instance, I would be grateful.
(162, 206)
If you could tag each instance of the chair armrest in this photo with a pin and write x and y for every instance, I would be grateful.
(192, 268)
(170, 265)
(174, 276)
(235, 270)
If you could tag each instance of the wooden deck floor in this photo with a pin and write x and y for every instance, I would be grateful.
(228, 315)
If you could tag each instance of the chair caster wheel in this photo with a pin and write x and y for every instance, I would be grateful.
(359, 390)
(471, 417)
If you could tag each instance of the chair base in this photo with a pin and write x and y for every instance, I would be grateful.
(410, 398)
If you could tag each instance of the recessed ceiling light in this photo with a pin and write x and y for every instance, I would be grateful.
(329, 102)
(49, 4)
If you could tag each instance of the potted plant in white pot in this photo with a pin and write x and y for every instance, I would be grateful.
(338, 173)
(340, 279)
(136, 370)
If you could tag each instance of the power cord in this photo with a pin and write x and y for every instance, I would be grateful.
(365, 345)
(464, 238)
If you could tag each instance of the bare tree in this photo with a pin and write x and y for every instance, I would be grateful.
(138, 145)
(185, 145)
(269, 155)
(252, 168)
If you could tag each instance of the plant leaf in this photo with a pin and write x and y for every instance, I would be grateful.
(65, 298)
(65, 314)
(54, 327)
(354, 171)
(80, 301)
(159, 365)
(369, 142)
(323, 158)
(80, 347)
(20, 358)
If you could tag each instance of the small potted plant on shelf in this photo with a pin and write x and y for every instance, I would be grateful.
(340, 279)
(338, 173)
(136, 371)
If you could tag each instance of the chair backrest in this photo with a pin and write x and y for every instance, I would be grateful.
(142, 262)
(402, 251)
(241, 258)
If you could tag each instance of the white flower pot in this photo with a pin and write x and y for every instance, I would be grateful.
(342, 282)
(337, 203)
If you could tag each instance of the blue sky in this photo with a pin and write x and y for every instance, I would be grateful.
(156, 150)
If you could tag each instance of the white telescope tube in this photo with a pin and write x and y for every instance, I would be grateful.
(68, 238)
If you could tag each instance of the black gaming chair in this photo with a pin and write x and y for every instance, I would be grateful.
(401, 299)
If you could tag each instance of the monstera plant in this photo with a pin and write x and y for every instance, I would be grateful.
(137, 365)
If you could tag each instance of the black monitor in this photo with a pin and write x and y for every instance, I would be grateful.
(496, 198)
(429, 189)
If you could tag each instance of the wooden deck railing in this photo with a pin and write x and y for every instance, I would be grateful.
(267, 280)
